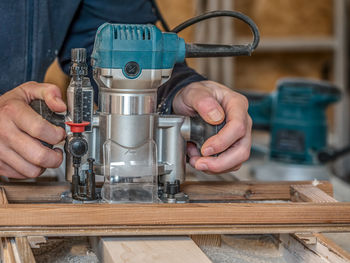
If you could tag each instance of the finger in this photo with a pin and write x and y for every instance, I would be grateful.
(21, 166)
(207, 106)
(33, 151)
(7, 171)
(232, 157)
(26, 119)
(192, 153)
(238, 124)
(192, 150)
(50, 93)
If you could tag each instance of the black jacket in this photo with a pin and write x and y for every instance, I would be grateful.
(34, 32)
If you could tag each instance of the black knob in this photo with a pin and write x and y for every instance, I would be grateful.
(173, 188)
(78, 147)
(132, 69)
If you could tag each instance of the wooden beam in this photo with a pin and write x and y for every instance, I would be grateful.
(329, 248)
(324, 250)
(323, 247)
(174, 230)
(310, 193)
(24, 250)
(14, 250)
(197, 191)
(7, 255)
(173, 214)
(207, 240)
(150, 249)
(35, 192)
(7, 251)
(245, 190)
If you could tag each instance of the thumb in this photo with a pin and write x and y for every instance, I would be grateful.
(50, 93)
(208, 107)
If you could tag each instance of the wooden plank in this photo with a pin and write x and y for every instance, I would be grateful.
(7, 255)
(310, 193)
(15, 250)
(329, 248)
(35, 192)
(24, 250)
(295, 252)
(324, 250)
(307, 238)
(197, 191)
(151, 249)
(207, 240)
(244, 190)
(173, 214)
(324, 247)
(35, 241)
(169, 230)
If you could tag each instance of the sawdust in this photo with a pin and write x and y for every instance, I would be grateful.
(62, 250)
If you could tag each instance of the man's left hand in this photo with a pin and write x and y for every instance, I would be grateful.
(215, 102)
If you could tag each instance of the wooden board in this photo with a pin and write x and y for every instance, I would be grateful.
(197, 191)
(320, 246)
(150, 249)
(310, 193)
(173, 214)
(169, 230)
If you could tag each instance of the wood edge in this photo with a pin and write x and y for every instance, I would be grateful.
(331, 245)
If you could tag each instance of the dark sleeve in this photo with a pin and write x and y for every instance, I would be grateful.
(182, 76)
(93, 13)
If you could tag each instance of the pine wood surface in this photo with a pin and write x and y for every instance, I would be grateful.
(151, 249)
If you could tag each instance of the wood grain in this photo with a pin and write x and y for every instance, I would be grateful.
(174, 230)
(173, 214)
(197, 191)
(310, 193)
(35, 192)
(151, 249)
(324, 247)
(245, 190)
(24, 250)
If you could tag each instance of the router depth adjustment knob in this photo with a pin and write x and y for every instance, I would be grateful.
(77, 146)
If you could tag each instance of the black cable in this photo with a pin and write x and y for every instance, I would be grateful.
(159, 16)
(206, 50)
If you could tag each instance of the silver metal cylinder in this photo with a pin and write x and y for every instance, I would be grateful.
(113, 101)
(171, 148)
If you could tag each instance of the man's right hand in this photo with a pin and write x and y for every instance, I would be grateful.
(21, 153)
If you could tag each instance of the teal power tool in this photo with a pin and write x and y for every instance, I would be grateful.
(295, 116)
(140, 153)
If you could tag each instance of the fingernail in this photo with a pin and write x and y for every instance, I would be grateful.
(202, 167)
(208, 151)
(215, 115)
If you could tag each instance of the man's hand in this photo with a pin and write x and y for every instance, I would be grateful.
(214, 102)
(21, 153)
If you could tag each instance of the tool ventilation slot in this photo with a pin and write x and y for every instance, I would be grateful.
(130, 32)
